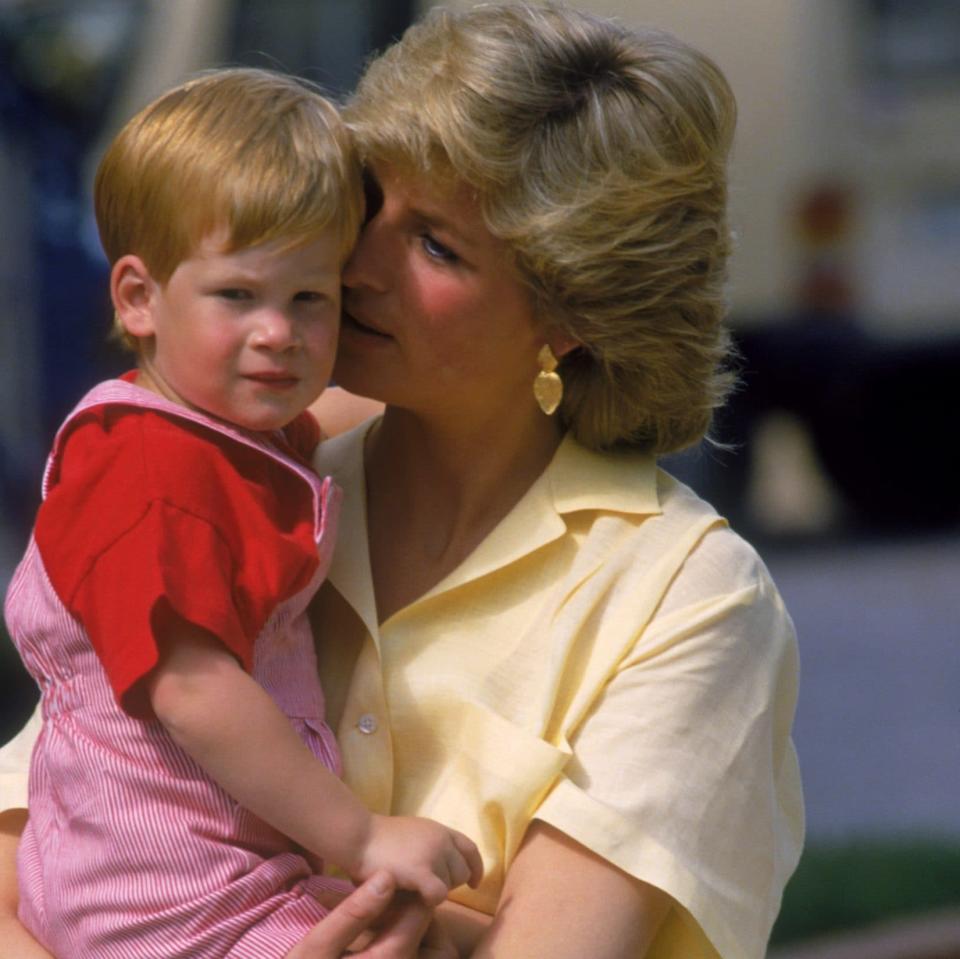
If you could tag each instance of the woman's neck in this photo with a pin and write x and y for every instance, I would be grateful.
(435, 490)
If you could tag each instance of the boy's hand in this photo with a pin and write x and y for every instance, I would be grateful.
(422, 855)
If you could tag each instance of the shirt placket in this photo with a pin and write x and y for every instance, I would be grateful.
(364, 734)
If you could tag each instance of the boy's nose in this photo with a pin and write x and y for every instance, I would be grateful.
(274, 330)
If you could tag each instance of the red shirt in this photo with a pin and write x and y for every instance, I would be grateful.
(150, 520)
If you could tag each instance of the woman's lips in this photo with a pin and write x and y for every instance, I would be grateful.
(350, 322)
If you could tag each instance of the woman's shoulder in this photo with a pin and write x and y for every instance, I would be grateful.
(636, 525)
(671, 531)
(721, 560)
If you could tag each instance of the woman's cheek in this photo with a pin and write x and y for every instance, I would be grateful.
(444, 308)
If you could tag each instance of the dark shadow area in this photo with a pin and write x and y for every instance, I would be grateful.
(880, 415)
(18, 692)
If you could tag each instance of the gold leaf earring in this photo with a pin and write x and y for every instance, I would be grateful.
(548, 387)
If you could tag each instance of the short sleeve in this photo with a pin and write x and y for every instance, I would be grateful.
(683, 774)
(169, 567)
(151, 521)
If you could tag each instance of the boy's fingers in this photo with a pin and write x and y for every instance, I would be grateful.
(471, 854)
(432, 888)
(333, 934)
(458, 869)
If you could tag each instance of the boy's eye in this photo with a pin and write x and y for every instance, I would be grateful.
(233, 293)
(435, 249)
(310, 296)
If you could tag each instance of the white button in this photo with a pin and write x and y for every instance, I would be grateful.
(367, 724)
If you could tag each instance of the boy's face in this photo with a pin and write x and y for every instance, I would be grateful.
(248, 336)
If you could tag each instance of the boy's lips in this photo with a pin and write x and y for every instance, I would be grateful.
(273, 378)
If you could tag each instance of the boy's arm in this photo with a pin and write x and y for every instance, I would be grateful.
(15, 941)
(229, 724)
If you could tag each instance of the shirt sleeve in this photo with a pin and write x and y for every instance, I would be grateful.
(683, 774)
(168, 569)
(152, 523)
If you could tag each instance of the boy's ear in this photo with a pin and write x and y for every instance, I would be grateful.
(133, 291)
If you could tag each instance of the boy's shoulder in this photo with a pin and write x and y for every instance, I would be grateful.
(97, 488)
(115, 455)
(115, 450)
(117, 465)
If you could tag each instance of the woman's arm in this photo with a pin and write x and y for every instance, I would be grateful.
(15, 941)
(229, 724)
(561, 901)
(684, 770)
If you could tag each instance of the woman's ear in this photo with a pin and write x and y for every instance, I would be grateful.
(133, 291)
(561, 342)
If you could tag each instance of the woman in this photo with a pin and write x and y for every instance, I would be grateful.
(529, 632)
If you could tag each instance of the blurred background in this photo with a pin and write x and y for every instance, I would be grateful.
(845, 302)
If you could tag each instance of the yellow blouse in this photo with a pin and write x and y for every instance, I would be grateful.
(612, 660)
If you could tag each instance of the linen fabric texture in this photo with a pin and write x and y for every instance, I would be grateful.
(612, 660)
(130, 848)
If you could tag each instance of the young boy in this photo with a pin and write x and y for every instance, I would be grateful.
(183, 788)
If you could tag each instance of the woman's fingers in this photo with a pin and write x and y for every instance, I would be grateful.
(399, 922)
(437, 944)
(402, 930)
(355, 915)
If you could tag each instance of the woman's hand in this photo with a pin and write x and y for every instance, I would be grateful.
(373, 923)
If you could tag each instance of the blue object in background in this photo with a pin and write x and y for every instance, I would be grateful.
(59, 64)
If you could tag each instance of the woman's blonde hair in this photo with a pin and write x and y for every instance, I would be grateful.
(262, 154)
(598, 153)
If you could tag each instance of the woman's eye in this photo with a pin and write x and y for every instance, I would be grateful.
(372, 195)
(435, 249)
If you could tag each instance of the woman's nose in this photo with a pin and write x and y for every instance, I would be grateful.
(366, 265)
